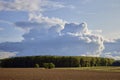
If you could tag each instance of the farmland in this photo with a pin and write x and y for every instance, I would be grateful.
(99, 73)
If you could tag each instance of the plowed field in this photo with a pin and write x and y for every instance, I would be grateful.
(55, 74)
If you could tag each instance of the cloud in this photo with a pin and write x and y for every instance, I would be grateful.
(21, 5)
(112, 46)
(7, 22)
(115, 55)
(10, 33)
(41, 35)
(40, 22)
(4, 54)
(54, 36)
(112, 49)
(31, 6)
(76, 28)
(42, 19)
(68, 39)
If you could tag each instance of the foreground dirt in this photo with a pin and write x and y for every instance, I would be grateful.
(55, 74)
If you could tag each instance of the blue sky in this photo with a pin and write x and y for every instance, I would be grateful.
(99, 14)
(22, 21)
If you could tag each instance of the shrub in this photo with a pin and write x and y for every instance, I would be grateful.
(45, 65)
(37, 65)
(48, 65)
(51, 65)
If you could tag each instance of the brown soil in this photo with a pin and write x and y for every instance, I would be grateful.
(55, 74)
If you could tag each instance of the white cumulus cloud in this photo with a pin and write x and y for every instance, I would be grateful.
(54, 39)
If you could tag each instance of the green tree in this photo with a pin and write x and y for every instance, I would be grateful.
(49, 65)
(37, 65)
(116, 63)
(82, 62)
(92, 62)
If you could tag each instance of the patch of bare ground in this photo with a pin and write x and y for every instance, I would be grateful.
(55, 74)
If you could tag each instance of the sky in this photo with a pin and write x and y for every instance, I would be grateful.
(60, 27)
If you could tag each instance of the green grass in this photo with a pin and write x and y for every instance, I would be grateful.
(108, 69)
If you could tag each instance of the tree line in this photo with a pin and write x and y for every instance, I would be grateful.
(58, 61)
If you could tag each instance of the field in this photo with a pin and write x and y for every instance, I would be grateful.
(98, 73)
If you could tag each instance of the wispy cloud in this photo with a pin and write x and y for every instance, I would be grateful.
(7, 22)
(4, 54)
(27, 5)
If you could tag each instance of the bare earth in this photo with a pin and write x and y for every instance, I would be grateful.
(55, 74)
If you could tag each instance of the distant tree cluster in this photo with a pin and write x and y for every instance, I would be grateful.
(116, 63)
(57, 61)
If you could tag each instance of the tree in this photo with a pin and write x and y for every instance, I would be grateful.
(0, 63)
(48, 65)
(98, 62)
(110, 62)
(37, 65)
(116, 63)
(51, 65)
(93, 62)
(82, 62)
(58, 61)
